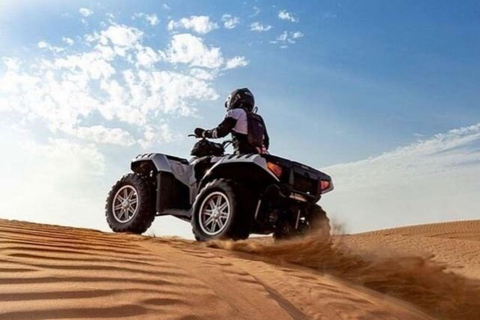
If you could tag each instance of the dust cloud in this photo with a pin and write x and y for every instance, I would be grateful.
(416, 279)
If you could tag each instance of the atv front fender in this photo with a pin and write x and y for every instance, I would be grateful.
(158, 162)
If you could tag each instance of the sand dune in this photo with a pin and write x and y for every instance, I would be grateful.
(50, 272)
(456, 244)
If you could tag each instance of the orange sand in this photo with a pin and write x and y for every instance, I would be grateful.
(50, 272)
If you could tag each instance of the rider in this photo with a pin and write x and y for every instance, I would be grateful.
(242, 123)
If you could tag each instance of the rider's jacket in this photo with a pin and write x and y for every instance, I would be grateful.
(236, 123)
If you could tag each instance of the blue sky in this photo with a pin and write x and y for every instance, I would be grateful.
(347, 86)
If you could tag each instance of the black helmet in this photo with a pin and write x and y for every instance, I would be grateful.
(240, 98)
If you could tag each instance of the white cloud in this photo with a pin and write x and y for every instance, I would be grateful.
(61, 152)
(120, 35)
(258, 27)
(42, 45)
(103, 135)
(154, 134)
(283, 37)
(229, 21)
(175, 92)
(147, 57)
(297, 35)
(428, 181)
(45, 45)
(285, 15)
(85, 12)
(151, 19)
(112, 92)
(288, 38)
(199, 24)
(189, 49)
(68, 41)
(236, 62)
(11, 63)
(202, 74)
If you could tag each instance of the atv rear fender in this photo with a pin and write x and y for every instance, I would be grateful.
(249, 169)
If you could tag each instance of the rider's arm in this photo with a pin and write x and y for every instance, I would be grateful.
(224, 128)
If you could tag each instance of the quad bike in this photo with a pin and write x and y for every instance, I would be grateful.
(223, 196)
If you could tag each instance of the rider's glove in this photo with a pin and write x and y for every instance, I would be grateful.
(199, 132)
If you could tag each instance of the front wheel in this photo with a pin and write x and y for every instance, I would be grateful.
(130, 204)
(220, 212)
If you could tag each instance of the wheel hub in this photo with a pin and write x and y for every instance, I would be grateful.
(125, 204)
(214, 213)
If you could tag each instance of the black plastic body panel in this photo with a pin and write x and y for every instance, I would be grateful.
(299, 178)
(171, 194)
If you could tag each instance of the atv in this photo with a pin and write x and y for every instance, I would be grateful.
(223, 196)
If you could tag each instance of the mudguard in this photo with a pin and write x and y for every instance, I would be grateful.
(231, 165)
(179, 167)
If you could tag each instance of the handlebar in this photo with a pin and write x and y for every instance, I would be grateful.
(225, 143)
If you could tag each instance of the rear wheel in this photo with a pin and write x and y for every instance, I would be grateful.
(315, 221)
(130, 204)
(318, 221)
(221, 211)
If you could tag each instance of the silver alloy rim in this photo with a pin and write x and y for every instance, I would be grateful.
(125, 204)
(214, 213)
